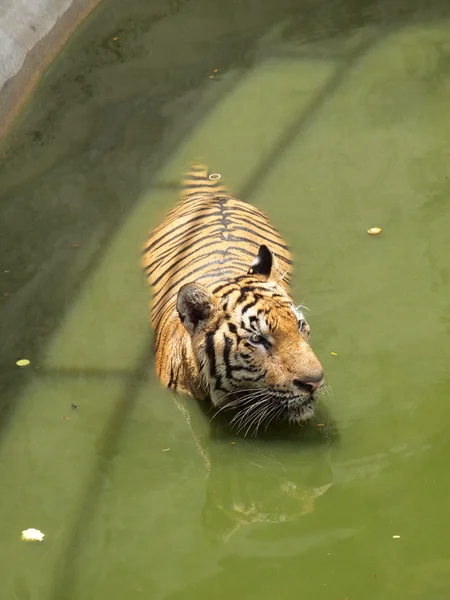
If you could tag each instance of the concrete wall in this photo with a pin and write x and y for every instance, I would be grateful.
(22, 25)
(31, 33)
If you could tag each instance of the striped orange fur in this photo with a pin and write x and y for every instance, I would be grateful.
(226, 327)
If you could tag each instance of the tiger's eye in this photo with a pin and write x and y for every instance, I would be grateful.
(255, 338)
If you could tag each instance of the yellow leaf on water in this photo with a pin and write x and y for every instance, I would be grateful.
(333, 354)
(374, 231)
(23, 362)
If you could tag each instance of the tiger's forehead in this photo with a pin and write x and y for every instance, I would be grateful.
(263, 308)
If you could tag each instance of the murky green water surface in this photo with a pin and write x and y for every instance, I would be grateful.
(333, 117)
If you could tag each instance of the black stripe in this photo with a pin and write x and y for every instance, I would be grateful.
(169, 385)
(188, 255)
(258, 227)
(227, 259)
(226, 355)
(249, 305)
(183, 224)
(181, 214)
(233, 238)
(207, 261)
(247, 368)
(233, 330)
(174, 271)
(156, 310)
(245, 290)
(204, 198)
(222, 286)
(192, 234)
(161, 257)
(231, 258)
(184, 278)
(159, 322)
(250, 284)
(266, 239)
(156, 321)
(247, 208)
(232, 327)
(191, 272)
(197, 186)
(247, 252)
(211, 353)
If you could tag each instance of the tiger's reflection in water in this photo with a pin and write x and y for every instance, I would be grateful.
(275, 478)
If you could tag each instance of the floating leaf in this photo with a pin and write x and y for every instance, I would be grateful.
(374, 231)
(23, 362)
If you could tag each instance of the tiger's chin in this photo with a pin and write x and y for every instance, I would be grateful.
(267, 409)
(299, 410)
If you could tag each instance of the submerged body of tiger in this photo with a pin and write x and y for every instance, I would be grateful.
(226, 327)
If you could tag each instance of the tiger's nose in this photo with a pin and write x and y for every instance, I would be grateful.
(311, 384)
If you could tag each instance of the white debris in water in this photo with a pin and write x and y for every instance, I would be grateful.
(395, 537)
(33, 535)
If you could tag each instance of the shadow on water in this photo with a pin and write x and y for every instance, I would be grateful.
(107, 447)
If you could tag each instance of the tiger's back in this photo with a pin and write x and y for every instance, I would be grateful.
(210, 238)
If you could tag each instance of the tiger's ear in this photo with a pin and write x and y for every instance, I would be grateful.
(195, 306)
(264, 263)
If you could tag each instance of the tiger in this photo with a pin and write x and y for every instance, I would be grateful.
(226, 328)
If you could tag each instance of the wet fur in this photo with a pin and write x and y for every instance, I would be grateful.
(220, 272)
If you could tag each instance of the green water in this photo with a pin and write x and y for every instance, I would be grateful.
(331, 116)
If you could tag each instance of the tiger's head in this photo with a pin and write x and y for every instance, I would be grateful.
(251, 344)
